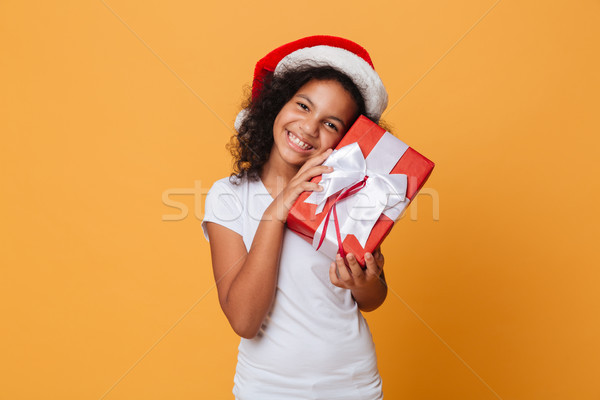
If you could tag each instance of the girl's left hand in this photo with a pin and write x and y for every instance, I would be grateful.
(355, 277)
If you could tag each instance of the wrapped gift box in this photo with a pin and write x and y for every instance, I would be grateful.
(375, 177)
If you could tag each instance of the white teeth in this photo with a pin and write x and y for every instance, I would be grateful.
(299, 142)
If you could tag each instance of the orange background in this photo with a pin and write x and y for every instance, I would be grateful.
(112, 111)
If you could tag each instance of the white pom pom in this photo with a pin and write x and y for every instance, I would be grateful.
(240, 118)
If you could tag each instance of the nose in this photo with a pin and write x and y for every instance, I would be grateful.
(310, 126)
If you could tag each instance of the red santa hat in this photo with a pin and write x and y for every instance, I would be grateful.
(339, 53)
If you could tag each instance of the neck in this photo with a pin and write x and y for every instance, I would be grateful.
(275, 175)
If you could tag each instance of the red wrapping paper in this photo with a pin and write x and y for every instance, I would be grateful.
(304, 221)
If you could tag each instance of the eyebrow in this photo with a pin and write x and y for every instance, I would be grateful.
(312, 105)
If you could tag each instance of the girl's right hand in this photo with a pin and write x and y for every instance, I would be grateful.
(280, 207)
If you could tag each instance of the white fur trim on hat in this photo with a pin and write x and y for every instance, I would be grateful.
(240, 118)
(362, 74)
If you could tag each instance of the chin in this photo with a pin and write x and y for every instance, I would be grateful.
(295, 160)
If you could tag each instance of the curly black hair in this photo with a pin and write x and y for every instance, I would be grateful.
(251, 145)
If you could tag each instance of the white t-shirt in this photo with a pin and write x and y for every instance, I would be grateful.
(314, 343)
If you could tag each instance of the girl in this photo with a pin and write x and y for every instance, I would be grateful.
(297, 312)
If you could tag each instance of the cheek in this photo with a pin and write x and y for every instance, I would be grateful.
(278, 123)
(334, 140)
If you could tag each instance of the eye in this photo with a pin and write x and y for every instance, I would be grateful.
(303, 106)
(331, 125)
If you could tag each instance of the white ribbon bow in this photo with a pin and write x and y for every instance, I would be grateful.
(382, 191)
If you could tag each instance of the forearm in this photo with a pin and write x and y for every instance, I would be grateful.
(371, 297)
(252, 292)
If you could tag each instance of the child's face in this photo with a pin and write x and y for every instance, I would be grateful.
(314, 120)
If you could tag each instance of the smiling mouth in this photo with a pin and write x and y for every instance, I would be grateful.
(295, 140)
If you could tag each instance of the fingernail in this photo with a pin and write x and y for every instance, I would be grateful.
(368, 256)
(350, 256)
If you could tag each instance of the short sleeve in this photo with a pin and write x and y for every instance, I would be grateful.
(224, 207)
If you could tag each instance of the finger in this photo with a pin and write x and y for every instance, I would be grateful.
(373, 267)
(315, 171)
(312, 172)
(355, 267)
(298, 189)
(307, 171)
(320, 159)
(342, 270)
(379, 259)
(320, 169)
(309, 187)
(307, 174)
(325, 154)
(316, 160)
(378, 255)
